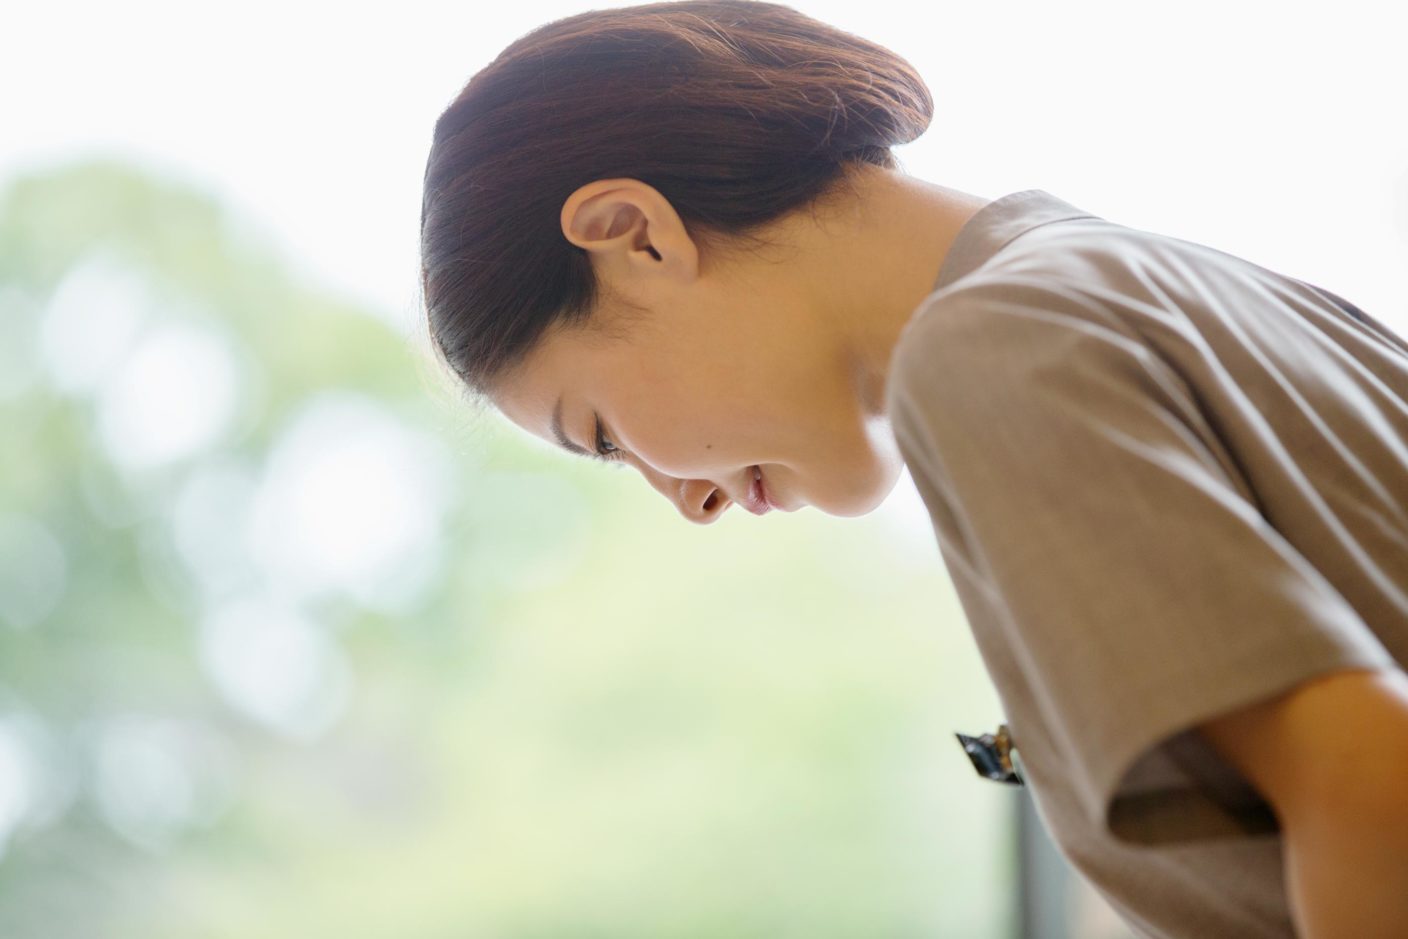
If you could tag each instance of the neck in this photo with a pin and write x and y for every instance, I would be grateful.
(875, 261)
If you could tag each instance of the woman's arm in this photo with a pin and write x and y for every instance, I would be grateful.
(1331, 756)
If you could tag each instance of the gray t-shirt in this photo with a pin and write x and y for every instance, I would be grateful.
(1166, 483)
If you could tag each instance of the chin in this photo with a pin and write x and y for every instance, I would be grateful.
(858, 503)
(868, 494)
(849, 511)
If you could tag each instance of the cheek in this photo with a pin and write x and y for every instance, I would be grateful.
(680, 424)
(674, 435)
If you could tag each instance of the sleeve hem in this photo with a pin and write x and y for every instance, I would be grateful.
(1188, 813)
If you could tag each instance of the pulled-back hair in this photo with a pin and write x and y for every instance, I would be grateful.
(737, 111)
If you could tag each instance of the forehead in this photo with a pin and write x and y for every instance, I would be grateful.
(547, 388)
(580, 365)
(526, 398)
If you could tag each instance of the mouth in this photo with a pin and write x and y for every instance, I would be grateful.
(758, 502)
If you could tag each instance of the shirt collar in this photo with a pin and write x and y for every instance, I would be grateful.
(990, 229)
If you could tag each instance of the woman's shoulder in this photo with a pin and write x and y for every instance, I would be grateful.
(1095, 275)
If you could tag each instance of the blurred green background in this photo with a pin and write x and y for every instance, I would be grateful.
(292, 644)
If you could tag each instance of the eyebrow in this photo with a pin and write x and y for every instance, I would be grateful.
(566, 444)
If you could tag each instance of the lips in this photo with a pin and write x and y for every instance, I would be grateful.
(763, 489)
(757, 502)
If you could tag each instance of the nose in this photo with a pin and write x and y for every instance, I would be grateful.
(698, 500)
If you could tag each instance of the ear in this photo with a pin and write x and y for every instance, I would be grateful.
(630, 228)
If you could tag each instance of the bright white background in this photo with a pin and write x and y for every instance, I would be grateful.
(1269, 130)
(1272, 130)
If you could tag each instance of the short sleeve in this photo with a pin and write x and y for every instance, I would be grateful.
(1100, 530)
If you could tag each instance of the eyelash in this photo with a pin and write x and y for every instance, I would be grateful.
(613, 454)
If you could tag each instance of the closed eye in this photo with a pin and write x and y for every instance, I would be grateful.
(602, 453)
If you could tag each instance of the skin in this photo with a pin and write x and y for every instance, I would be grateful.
(706, 359)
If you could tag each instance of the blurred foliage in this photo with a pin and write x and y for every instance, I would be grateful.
(290, 646)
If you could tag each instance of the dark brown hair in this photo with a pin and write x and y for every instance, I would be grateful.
(737, 111)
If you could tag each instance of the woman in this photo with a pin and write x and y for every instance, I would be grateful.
(1169, 484)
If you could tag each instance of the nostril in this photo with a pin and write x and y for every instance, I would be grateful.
(713, 499)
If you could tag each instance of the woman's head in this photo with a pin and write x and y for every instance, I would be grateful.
(609, 217)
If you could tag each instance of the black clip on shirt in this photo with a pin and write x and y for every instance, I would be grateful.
(992, 756)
